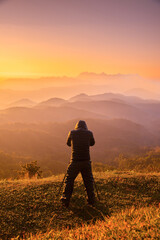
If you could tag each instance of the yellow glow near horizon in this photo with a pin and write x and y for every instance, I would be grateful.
(35, 55)
(47, 69)
(64, 38)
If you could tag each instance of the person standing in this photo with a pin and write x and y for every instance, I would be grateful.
(79, 139)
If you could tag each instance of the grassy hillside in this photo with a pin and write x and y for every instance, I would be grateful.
(142, 223)
(40, 140)
(128, 208)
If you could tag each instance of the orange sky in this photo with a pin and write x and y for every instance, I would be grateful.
(44, 38)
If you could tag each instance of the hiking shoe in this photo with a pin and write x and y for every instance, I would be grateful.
(91, 203)
(64, 202)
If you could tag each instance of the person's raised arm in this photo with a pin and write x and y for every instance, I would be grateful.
(69, 139)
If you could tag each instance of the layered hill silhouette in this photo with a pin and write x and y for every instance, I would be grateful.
(44, 113)
(121, 125)
(102, 106)
(112, 137)
(24, 102)
(52, 102)
(64, 87)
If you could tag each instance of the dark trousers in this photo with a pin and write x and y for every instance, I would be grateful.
(74, 168)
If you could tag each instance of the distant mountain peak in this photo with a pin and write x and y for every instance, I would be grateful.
(24, 102)
(81, 96)
(53, 101)
(91, 74)
(98, 75)
(142, 92)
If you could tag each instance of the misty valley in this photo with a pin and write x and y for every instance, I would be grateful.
(126, 131)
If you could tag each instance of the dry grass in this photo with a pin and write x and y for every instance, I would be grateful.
(129, 208)
(141, 223)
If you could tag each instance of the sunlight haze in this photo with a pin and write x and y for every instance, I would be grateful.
(57, 38)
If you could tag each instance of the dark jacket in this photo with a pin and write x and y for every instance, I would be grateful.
(80, 140)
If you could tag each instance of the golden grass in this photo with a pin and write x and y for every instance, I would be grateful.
(133, 223)
(128, 208)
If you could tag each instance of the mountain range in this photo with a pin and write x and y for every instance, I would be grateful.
(100, 106)
(121, 125)
(41, 89)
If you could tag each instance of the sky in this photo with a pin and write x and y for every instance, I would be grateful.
(67, 37)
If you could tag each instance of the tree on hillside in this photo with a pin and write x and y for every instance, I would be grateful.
(30, 170)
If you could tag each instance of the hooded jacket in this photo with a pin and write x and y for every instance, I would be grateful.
(80, 139)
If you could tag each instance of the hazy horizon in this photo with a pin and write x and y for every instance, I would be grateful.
(41, 89)
(64, 48)
(57, 38)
